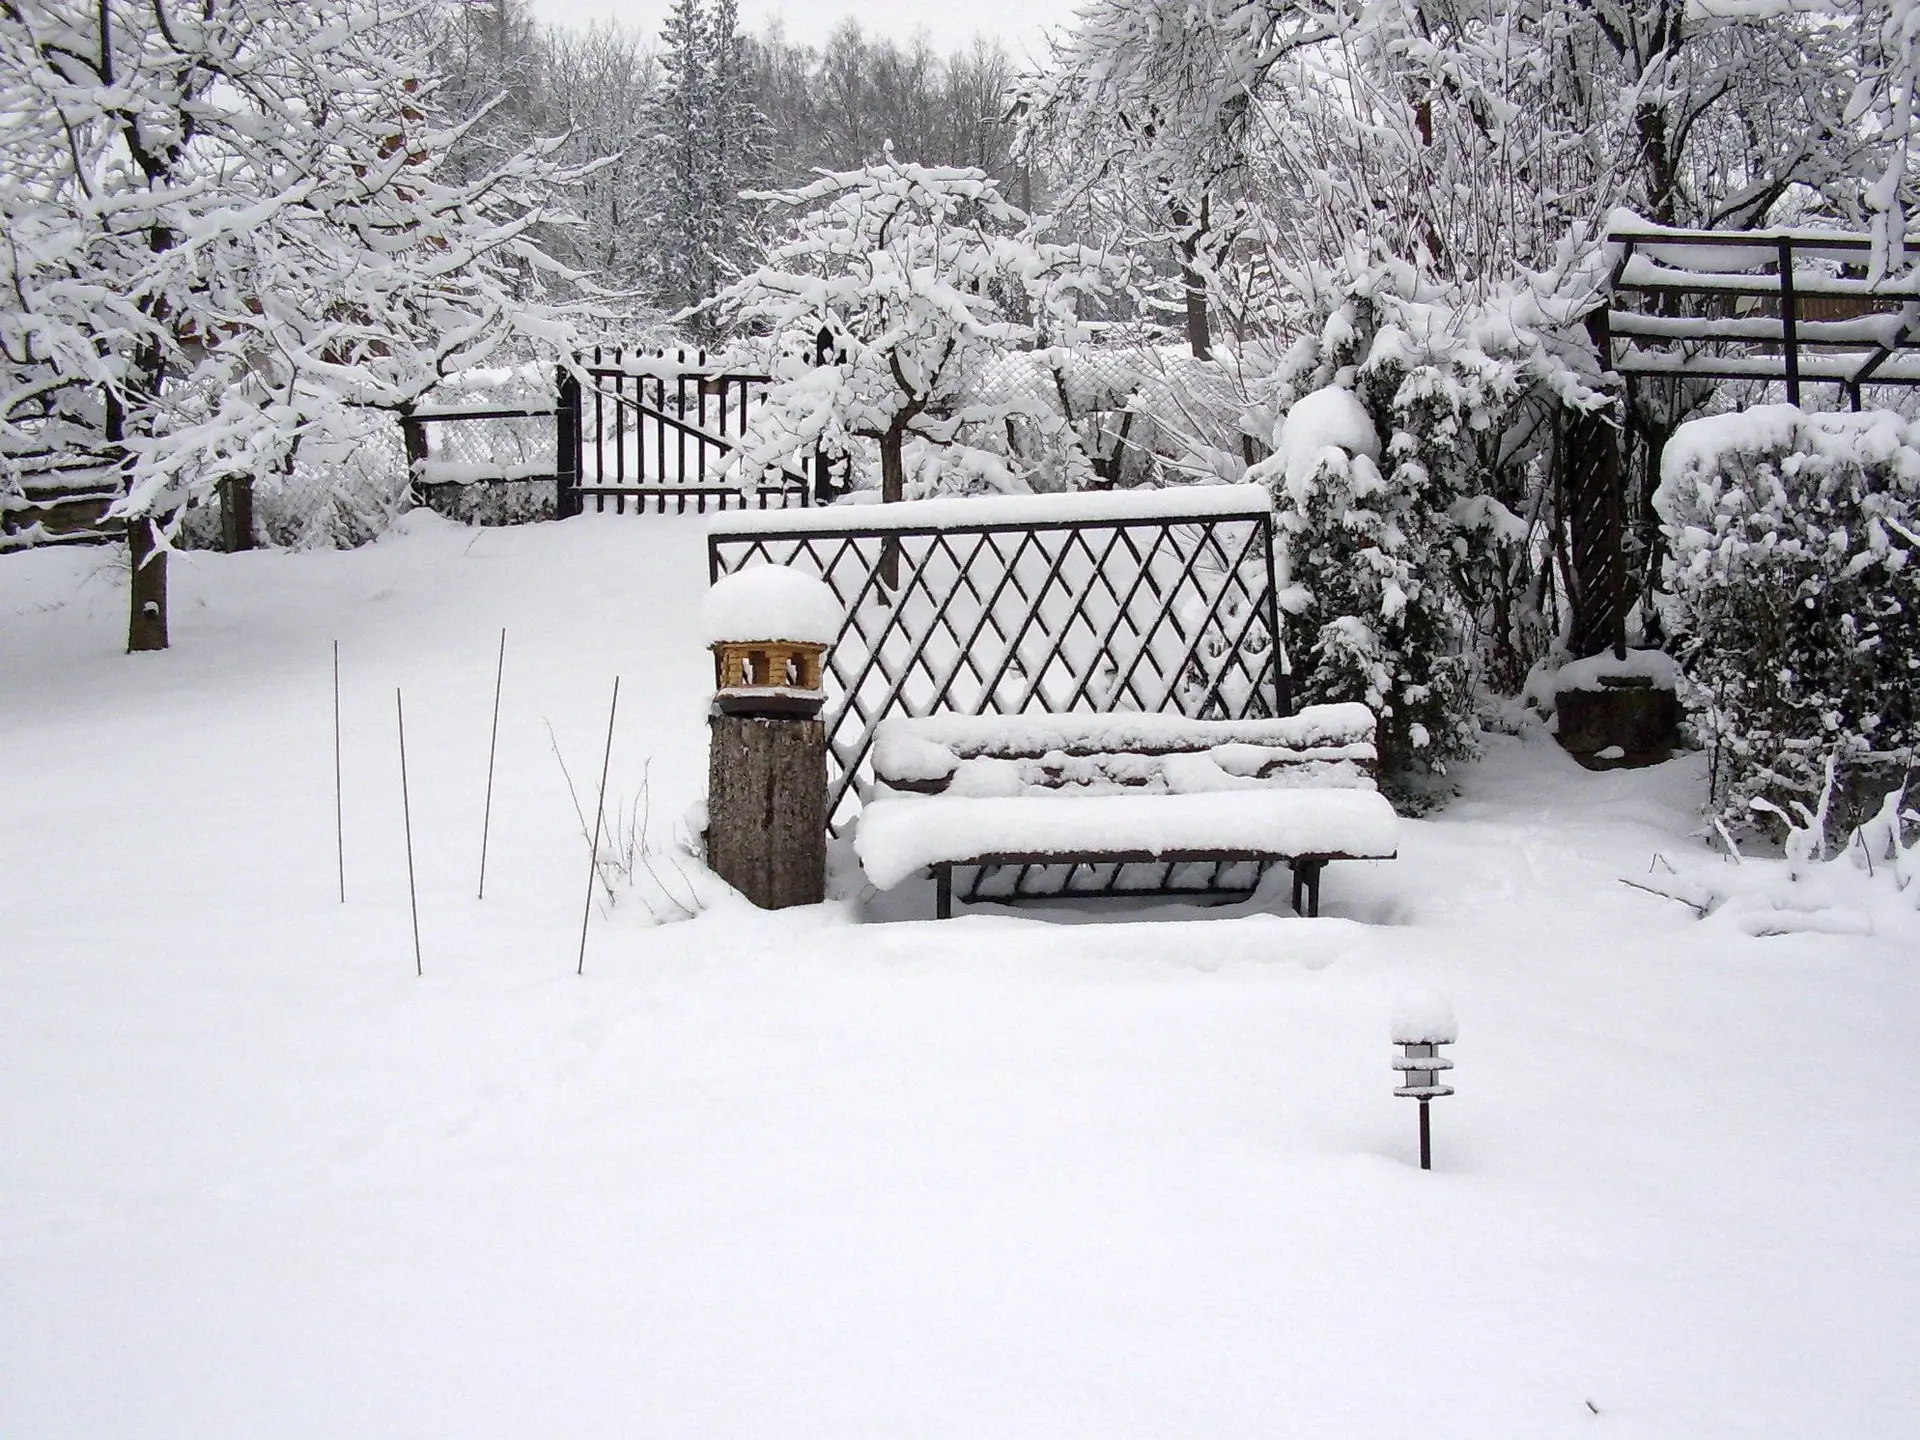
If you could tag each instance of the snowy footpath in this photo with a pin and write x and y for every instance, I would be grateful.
(1112, 1174)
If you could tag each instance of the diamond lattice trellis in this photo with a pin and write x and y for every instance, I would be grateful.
(1168, 612)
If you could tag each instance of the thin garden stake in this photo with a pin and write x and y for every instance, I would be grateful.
(406, 812)
(339, 830)
(599, 811)
(493, 745)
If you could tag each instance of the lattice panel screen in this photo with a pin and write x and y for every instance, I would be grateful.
(1169, 613)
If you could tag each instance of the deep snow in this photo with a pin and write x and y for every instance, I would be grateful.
(797, 1175)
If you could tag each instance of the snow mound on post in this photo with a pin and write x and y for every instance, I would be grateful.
(1424, 1017)
(770, 602)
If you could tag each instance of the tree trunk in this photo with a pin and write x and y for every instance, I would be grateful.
(1199, 338)
(893, 486)
(147, 615)
(767, 808)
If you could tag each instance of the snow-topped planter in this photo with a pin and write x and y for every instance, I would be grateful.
(1615, 711)
(769, 629)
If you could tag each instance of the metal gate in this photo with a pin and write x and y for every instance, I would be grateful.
(641, 428)
(659, 428)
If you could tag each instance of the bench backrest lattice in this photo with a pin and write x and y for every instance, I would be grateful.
(1156, 601)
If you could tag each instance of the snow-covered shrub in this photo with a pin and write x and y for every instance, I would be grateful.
(958, 470)
(1410, 420)
(1368, 624)
(1858, 885)
(1792, 590)
(1133, 415)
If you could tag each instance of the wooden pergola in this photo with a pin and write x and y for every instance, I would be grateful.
(1785, 306)
(1790, 306)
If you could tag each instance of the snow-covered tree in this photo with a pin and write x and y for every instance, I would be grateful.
(1887, 91)
(598, 85)
(704, 143)
(232, 233)
(1471, 136)
(905, 279)
(1152, 100)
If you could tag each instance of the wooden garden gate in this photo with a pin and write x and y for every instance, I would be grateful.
(643, 429)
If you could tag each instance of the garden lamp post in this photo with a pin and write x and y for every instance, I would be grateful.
(1421, 1025)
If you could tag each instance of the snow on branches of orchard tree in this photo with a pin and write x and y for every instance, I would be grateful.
(901, 279)
(232, 229)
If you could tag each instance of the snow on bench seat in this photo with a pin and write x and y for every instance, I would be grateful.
(1324, 746)
(900, 836)
(980, 791)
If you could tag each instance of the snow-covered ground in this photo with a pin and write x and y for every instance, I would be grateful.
(809, 1174)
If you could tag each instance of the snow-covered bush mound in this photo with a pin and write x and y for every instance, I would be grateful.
(1791, 588)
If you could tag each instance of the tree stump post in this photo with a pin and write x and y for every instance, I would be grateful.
(767, 807)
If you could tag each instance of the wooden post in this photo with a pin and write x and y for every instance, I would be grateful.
(414, 435)
(767, 808)
(566, 430)
(236, 513)
(1590, 460)
(147, 616)
(1789, 324)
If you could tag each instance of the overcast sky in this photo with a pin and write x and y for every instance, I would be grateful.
(1019, 24)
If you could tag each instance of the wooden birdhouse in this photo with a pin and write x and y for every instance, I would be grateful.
(769, 628)
(769, 677)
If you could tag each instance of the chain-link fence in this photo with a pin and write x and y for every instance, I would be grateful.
(343, 489)
(1121, 416)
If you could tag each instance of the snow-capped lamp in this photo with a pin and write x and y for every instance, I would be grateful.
(1422, 1023)
(769, 629)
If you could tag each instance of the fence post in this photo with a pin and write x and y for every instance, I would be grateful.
(413, 435)
(236, 513)
(566, 431)
(822, 479)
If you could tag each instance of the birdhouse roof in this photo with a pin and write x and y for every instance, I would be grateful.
(770, 602)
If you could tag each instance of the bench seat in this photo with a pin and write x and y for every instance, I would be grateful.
(898, 837)
(1080, 790)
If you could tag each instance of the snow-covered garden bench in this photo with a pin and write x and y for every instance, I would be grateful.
(958, 791)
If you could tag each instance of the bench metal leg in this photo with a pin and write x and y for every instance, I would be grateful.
(1306, 883)
(943, 892)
